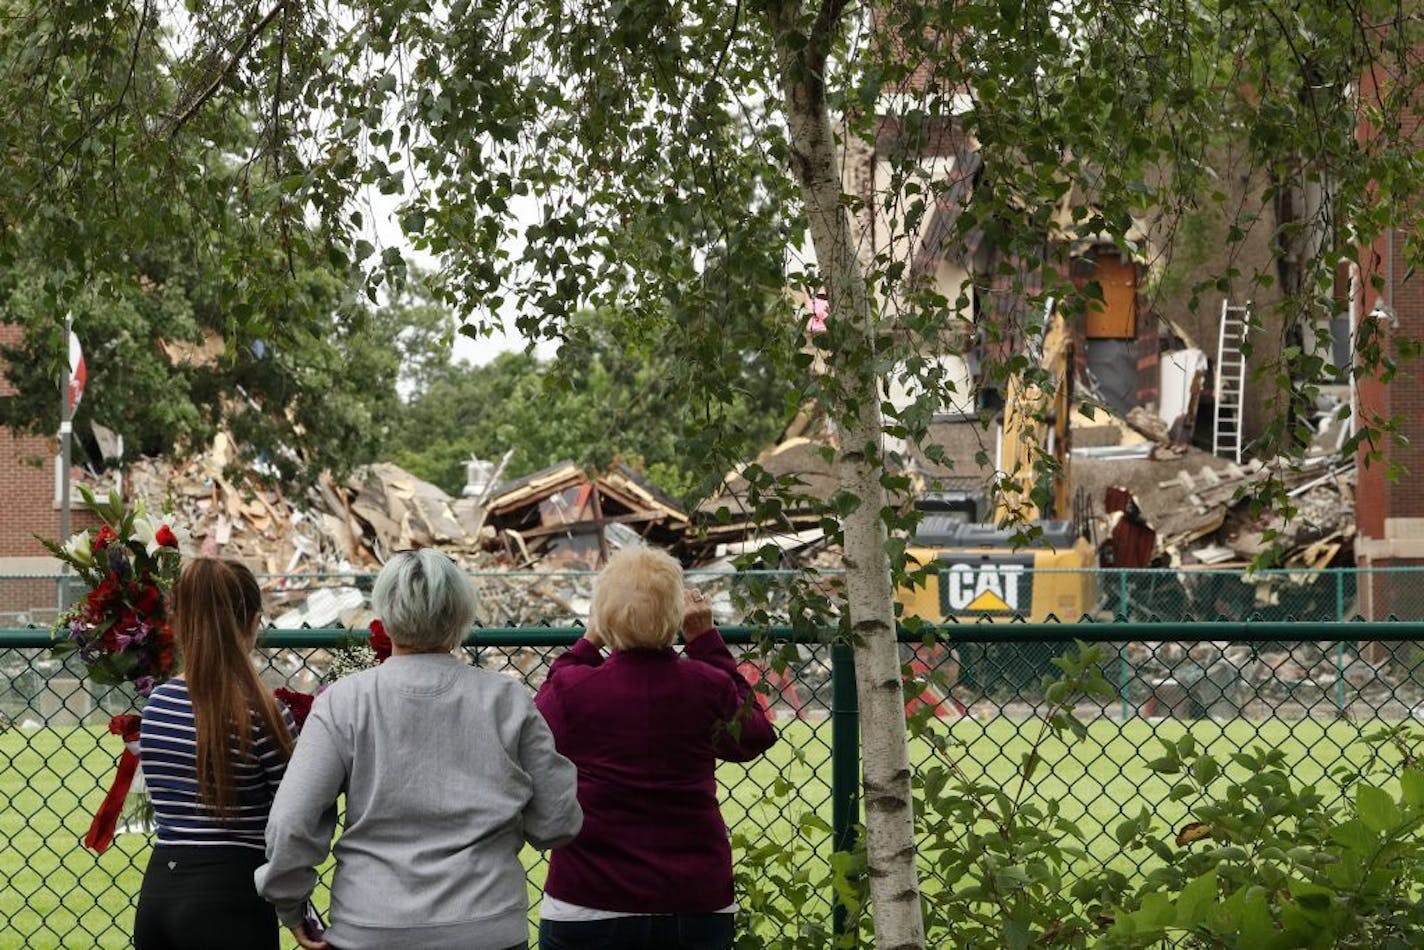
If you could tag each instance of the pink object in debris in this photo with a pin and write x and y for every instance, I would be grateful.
(820, 309)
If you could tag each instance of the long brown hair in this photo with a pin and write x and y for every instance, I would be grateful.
(216, 604)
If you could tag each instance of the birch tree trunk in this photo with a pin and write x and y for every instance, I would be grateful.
(889, 807)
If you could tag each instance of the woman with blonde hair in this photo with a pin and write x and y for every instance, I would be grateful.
(652, 867)
(447, 771)
(213, 745)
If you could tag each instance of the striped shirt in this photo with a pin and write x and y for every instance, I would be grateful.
(168, 753)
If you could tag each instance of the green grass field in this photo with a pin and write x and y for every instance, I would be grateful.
(56, 894)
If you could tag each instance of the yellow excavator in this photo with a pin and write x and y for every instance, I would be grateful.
(985, 569)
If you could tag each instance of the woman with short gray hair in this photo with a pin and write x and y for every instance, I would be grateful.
(424, 601)
(447, 771)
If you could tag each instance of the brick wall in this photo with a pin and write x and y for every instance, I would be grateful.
(1390, 512)
(28, 508)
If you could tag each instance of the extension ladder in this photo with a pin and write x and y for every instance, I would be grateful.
(1230, 380)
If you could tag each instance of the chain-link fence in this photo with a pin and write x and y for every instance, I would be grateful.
(531, 598)
(974, 693)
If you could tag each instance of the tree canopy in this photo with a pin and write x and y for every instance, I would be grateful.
(608, 397)
(199, 305)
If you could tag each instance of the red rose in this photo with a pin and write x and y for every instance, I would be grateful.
(380, 642)
(165, 537)
(165, 661)
(298, 704)
(108, 589)
(147, 600)
(104, 538)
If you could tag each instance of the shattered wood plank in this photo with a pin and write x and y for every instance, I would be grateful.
(338, 506)
(518, 539)
(521, 495)
(1176, 534)
(1319, 554)
(620, 485)
(590, 524)
(1182, 479)
(387, 530)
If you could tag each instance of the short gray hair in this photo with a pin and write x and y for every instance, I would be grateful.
(424, 600)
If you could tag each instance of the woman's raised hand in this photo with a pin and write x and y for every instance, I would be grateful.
(696, 615)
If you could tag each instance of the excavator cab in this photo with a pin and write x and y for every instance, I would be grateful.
(980, 569)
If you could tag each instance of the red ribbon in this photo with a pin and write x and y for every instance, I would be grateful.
(106, 819)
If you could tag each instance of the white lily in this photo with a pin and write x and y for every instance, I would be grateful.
(146, 532)
(78, 548)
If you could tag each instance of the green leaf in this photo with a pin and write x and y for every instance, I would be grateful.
(1257, 928)
(1205, 770)
(1166, 765)
(1312, 899)
(1195, 900)
(1376, 809)
(1411, 786)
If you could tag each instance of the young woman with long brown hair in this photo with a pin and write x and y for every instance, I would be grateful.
(214, 745)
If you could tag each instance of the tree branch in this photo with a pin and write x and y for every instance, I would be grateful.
(123, 94)
(233, 61)
(731, 35)
(818, 44)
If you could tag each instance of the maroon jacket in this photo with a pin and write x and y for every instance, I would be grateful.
(645, 729)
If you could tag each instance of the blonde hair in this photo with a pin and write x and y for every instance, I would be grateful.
(637, 600)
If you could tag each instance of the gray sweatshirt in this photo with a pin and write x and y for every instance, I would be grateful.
(447, 771)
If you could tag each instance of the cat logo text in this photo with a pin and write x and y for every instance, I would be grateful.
(985, 587)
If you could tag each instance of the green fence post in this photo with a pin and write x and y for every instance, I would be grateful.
(845, 764)
(1122, 674)
(1339, 645)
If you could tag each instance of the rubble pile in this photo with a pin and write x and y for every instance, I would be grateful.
(318, 550)
(1200, 506)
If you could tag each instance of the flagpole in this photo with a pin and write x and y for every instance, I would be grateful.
(66, 430)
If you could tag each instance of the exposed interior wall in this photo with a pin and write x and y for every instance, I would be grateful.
(1194, 246)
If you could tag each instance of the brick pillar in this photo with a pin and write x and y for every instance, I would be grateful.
(1390, 513)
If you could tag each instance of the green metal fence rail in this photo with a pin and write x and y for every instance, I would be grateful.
(1312, 689)
(1160, 595)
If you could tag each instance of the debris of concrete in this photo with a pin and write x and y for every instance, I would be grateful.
(316, 547)
(1200, 505)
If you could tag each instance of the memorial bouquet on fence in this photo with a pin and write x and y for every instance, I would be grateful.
(119, 628)
(120, 631)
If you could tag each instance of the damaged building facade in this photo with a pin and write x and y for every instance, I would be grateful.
(1163, 479)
